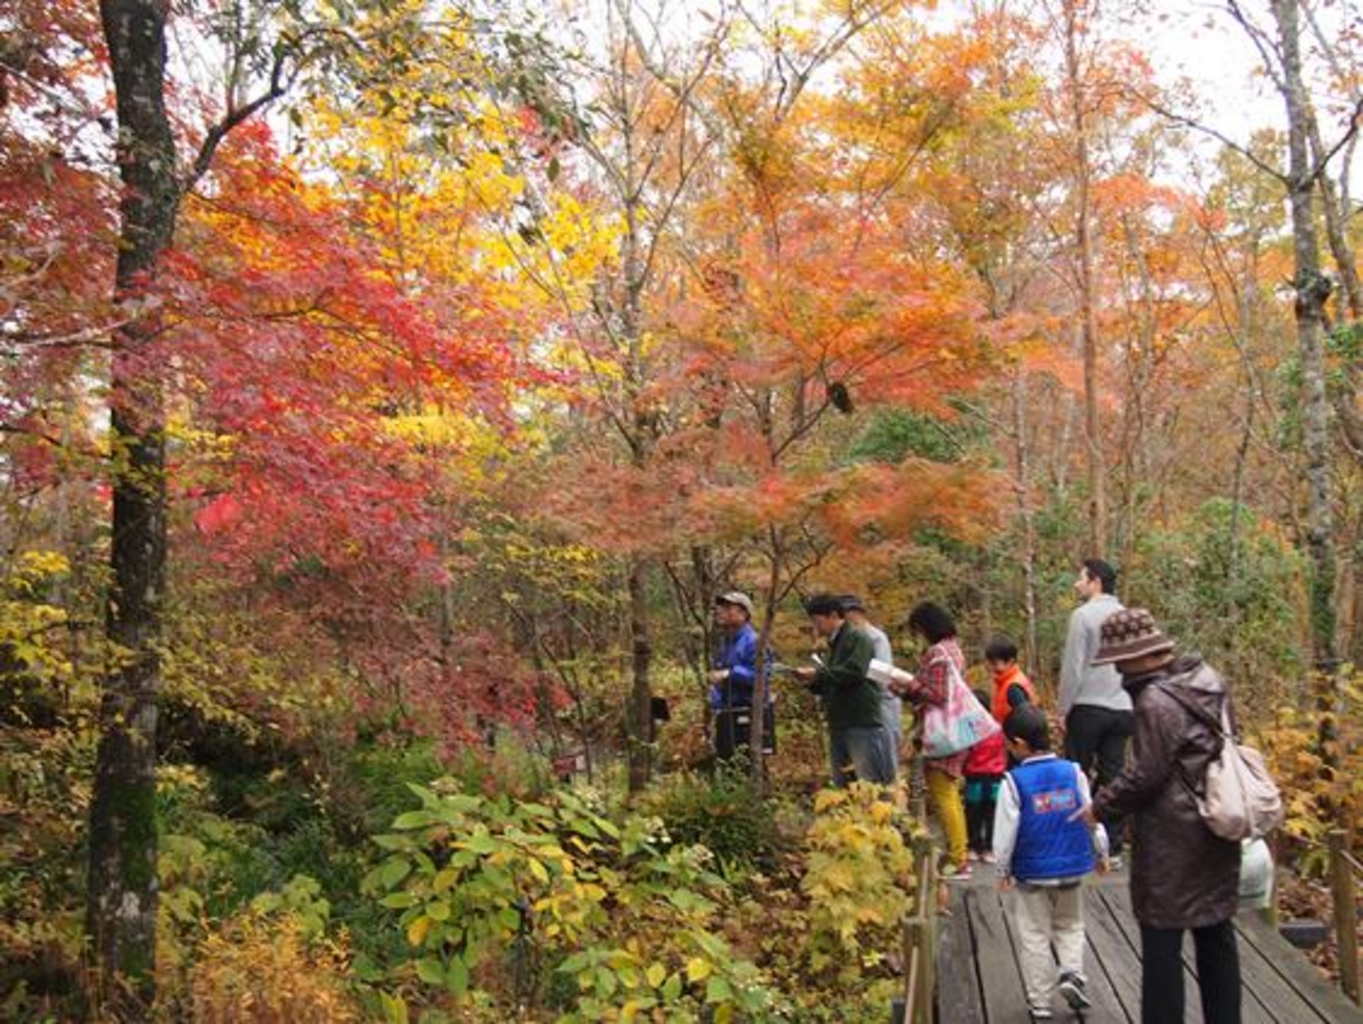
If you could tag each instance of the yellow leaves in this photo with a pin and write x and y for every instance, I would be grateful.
(827, 799)
(656, 974)
(698, 969)
(417, 930)
(538, 869)
(858, 871)
(30, 627)
(32, 568)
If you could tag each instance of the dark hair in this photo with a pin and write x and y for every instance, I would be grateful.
(1103, 573)
(1028, 723)
(824, 604)
(852, 603)
(981, 696)
(1001, 648)
(933, 621)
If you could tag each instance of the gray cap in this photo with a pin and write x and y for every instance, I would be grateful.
(738, 598)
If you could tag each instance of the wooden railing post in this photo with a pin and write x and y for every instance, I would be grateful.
(1346, 912)
(927, 893)
(920, 940)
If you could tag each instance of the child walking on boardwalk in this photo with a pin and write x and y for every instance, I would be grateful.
(984, 767)
(1044, 853)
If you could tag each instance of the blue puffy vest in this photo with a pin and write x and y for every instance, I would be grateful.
(1049, 845)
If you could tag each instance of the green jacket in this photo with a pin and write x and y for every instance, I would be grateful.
(850, 699)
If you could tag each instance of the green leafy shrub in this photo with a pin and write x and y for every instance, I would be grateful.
(529, 903)
(44, 789)
(723, 812)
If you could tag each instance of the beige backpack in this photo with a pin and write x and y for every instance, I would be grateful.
(1239, 799)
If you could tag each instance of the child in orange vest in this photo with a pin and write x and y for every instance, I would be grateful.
(984, 768)
(1011, 687)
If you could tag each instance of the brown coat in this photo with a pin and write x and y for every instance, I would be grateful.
(1182, 875)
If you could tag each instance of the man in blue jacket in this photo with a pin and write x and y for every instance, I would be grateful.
(734, 675)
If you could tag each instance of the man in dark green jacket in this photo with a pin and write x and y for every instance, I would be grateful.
(859, 744)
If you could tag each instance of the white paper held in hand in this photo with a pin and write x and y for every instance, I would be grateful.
(884, 673)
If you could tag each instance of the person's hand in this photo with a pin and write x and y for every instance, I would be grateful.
(1104, 865)
(805, 673)
(718, 676)
(901, 682)
(1084, 814)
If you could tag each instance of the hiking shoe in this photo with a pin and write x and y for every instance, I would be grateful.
(1072, 989)
(1040, 1013)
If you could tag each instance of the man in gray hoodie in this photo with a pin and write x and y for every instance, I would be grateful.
(1098, 718)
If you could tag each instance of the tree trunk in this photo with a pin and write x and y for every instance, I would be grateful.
(641, 694)
(1312, 290)
(122, 892)
(1338, 209)
(762, 684)
(1088, 322)
(1026, 515)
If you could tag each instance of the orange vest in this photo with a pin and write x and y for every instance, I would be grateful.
(1002, 681)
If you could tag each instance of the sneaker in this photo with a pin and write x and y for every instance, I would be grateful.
(956, 872)
(1040, 1013)
(988, 857)
(1115, 862)
(1072, 990)
(972, 856)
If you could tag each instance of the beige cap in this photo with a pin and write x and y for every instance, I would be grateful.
(738, 598)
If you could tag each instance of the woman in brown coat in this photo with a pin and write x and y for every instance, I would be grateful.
(1183, 877)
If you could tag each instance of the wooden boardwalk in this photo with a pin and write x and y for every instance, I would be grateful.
(979, 981)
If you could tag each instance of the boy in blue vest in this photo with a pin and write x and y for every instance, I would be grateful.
(1044, 854)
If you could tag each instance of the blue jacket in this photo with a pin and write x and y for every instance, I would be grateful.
(1048, 844)
(738, 654)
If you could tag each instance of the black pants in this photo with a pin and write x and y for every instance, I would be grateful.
(1094, 734)
(733, 729)
(981, 799)
(1218, 974)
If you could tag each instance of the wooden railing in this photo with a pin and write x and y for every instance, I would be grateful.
(1345, 900)
(920, 940)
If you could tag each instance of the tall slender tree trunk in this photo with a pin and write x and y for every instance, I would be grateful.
(1244, 331)
(1026, 515)
(640, 440)
(1338, 209)
(1083, 242)
(641, 692)
(1312, 289)
(122, 893)
(757, 723)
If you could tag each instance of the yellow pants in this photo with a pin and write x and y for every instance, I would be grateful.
(949, 805)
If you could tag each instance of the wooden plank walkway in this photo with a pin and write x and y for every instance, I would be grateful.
(979, 980)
